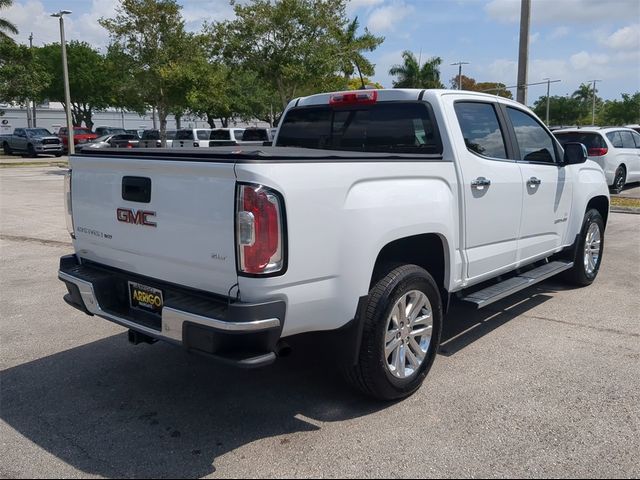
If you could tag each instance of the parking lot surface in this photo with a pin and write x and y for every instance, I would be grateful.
(543, 384)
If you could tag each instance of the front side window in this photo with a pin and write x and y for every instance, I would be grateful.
(480, 129)
(202, 134)
(184, 135)
(536, 145)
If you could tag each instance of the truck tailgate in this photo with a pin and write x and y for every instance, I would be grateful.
(183, 234)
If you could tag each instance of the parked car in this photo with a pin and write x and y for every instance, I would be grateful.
(615, 149)
(151, 139)
(225, 136)
(32, 142)
(101, 131)
(635, 127)
(256, 135)
(120, 140)
(193, 137)
(373, 210)
(134, 131)
(80, 135)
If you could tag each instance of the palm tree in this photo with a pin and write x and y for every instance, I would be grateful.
(6, 25)
(413, 75)
(584, 93)
(351, 48)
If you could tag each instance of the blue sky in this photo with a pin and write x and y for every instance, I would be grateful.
(571, 40)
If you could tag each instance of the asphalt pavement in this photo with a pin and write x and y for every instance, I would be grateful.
(544, 384)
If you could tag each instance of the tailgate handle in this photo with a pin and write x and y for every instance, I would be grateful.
(136, 189)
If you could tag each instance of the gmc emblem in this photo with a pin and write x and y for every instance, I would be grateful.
(137, 217)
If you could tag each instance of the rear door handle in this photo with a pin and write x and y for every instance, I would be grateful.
(534, 181)
(481, 182)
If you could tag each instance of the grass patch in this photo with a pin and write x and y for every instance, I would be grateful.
(625, 202)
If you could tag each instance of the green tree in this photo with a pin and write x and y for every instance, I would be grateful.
(122, 90)
(6, 25)
(468, 83)
(563, 110)
(152, 34)
(622, 112)
(410, 74)
(89, 83)
(492, 88)
(22, 76)
(296, 47)
(584, 96)
(352, 47)
(356, 84)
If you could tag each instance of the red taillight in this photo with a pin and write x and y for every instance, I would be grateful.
(597, 152)
(129, 144)
(360, 97)
(259, 230)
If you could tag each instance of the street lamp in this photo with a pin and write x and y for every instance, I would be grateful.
(65, 71)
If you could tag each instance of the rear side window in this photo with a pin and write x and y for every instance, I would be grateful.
(202, 134)
(636, 138)
(388, 127)
(220, 135)
(536, 145)
(589, 140)
(615, 139)
(480, 129)
(151, 135)
(627, 139)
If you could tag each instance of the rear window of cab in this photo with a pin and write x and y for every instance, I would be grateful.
(387, 127)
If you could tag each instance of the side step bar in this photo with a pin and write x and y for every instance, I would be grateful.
(489, 295)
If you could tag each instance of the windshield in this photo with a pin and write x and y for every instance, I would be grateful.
(255, 134)
(589, 140)
(81, 131)
(392, 127)
(38, 132)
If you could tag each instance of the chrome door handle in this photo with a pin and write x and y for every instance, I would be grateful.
(534, 181)
(481, 182)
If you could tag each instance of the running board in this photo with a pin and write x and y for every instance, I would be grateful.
(503, 289)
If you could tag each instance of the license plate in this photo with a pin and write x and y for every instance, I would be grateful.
(145, 298)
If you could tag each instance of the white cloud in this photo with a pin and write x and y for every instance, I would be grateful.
(585, 60)
(534, 38)
(566, 11)
(559, 32)
(354, 5)
(627, 38)
(386, 18)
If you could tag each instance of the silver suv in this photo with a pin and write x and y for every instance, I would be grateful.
(615, 149)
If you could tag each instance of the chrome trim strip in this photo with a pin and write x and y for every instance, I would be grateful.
(172, 319)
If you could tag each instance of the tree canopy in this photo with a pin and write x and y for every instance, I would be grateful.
(412, 74)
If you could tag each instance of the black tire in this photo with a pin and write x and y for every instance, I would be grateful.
(579, 274)
(58, 154)
(6, 148)
(619, 180)
(31, 152)
(371, 375)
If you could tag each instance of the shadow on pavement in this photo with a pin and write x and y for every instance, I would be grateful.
(111, 409)
(115, 410)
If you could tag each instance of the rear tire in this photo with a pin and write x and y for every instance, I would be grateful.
(398, 349)
(589, 251)
(619, 180)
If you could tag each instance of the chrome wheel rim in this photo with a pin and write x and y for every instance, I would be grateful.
(408, 334)
(592, 249)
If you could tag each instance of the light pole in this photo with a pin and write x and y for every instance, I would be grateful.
(460, 72)
(65, 70)
(523, 50)
(593, 108)
(549, 82)
(33, 115)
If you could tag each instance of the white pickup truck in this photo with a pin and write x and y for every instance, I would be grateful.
(372, 209)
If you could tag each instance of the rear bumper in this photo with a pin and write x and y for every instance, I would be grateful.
(241, 334)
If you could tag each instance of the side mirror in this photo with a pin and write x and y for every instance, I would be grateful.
(575, 153)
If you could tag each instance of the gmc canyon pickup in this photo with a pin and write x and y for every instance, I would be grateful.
(372, 209)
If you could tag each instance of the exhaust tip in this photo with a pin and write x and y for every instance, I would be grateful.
(283, 349)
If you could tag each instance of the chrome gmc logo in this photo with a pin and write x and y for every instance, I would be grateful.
(136, 217)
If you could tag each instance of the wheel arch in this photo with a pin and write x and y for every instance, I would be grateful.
(601, 204)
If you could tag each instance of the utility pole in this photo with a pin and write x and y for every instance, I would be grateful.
(593, 108)
(65, 70)
(33, 116)
(549, 82)
(459, 64)
(523, 51)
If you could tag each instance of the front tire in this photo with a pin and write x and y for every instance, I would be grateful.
(31, 151)
(589, 250)
(619, 180)
(6, 148)
(402, 322)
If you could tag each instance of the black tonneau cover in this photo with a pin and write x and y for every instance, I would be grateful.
(252, 153)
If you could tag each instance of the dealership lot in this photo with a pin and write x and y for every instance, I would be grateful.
(543, 384)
